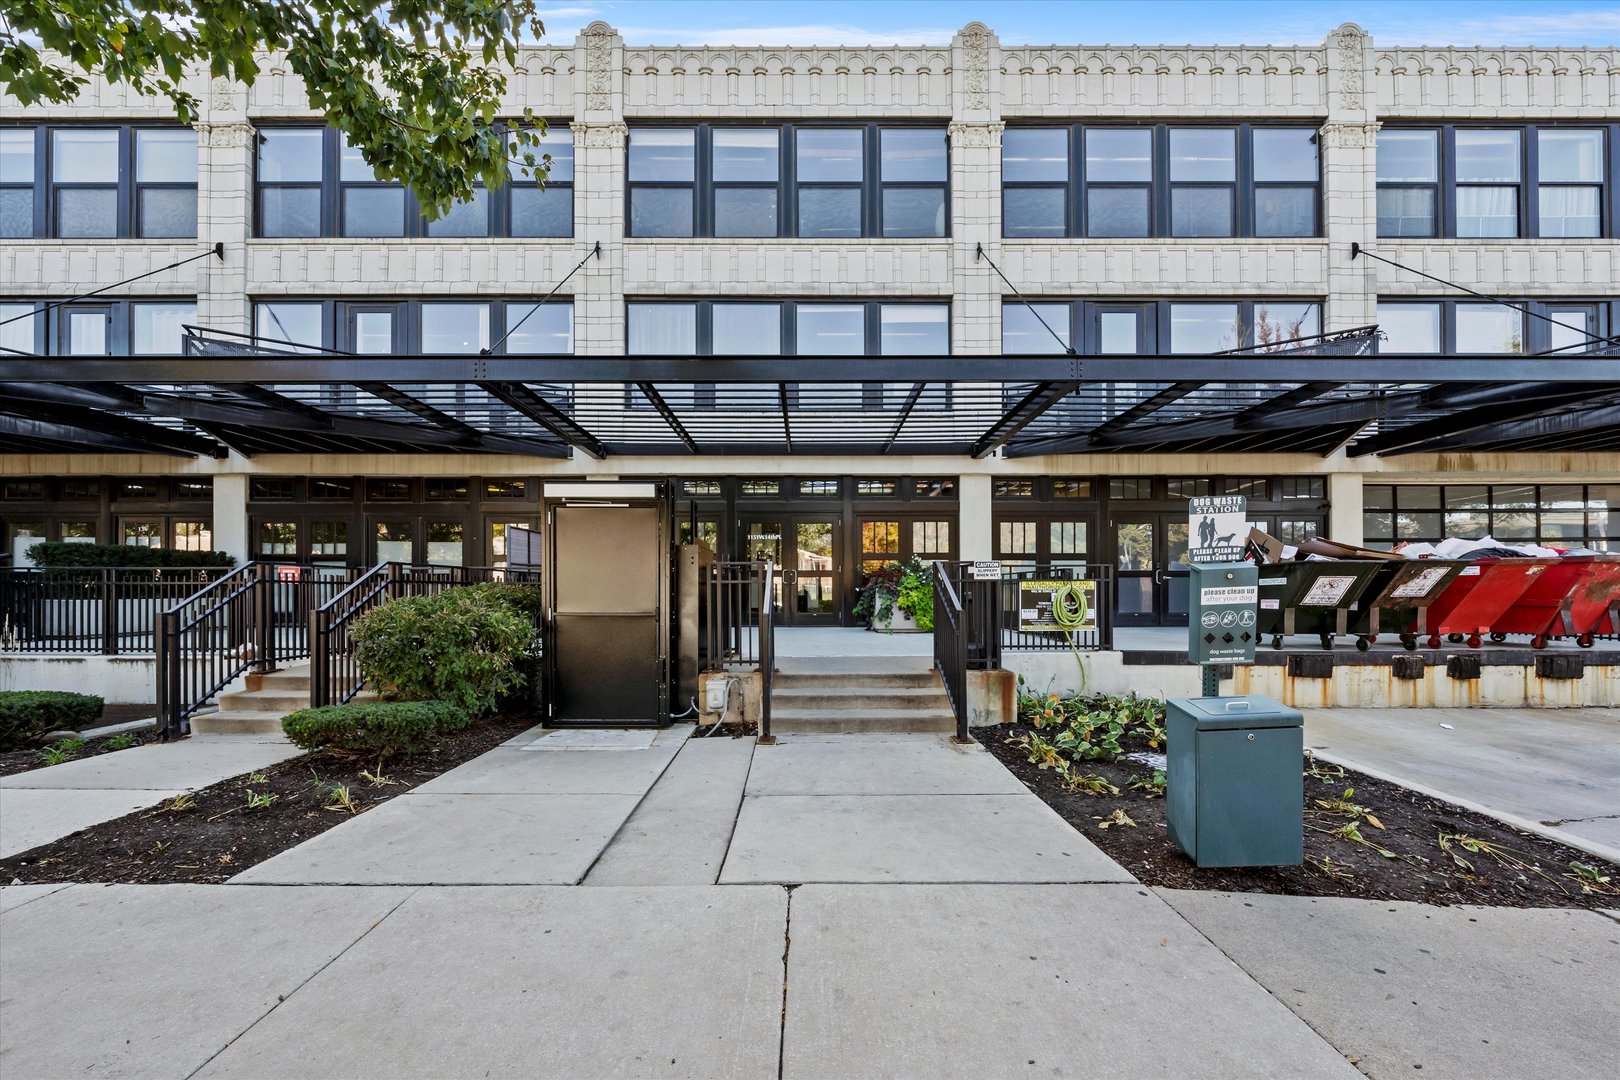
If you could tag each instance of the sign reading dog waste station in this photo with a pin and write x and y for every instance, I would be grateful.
(1057, 607)
(1217, 528)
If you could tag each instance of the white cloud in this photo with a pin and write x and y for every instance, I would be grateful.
(1556, 28)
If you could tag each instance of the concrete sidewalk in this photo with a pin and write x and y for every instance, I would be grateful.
(1465, 993)
(538, 810)
(47, 804)
(676, 981)
(1549, 771)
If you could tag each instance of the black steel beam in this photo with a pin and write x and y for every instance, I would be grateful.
(106, 396)
(1535, 429)
(98, 433)
(905, 414)
(489, 440)
(306, 419)
(787, 424)
(1427, 431)
(547, 415)
(674, 422)
(1103, 434)
(1283, 402)
(1017, 418)
(1267, 368)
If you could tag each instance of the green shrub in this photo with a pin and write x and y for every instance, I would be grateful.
(25, 714)
(525, 599)
(61, 553)
(377, 729)
(462, 645)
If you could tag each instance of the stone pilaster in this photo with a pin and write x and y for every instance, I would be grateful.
(600, 138)
(975, 147)
(1349, 146)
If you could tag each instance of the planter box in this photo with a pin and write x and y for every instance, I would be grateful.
(899, 623)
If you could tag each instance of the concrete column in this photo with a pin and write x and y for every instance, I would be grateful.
(1349, 142)
(231, 516)
(1344, 508)
(599, 201)
(975, 530)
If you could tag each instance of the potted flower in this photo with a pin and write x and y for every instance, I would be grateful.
(898, 596)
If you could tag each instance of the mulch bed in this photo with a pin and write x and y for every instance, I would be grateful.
(31, 758)
(739, 730)
(217, 835)
(1334, 866)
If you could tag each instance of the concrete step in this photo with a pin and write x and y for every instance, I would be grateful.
(231, 722)
(787, 721)
(292, 677)
(861, 697)
(826, 681)
(843, 665)
(280, 702)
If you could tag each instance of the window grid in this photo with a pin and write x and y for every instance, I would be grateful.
(1451, 327)
(1452, 199)
(833, 198)
(1152, 324)
(50, 187)
(1556, 515)
(332, 192)
(1109, 191)
(337, 325)
(97, 327)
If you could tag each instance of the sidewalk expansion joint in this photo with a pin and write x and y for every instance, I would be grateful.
(282, 998)
(787, 946)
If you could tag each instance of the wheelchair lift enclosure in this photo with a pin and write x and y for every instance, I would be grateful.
(607, 593)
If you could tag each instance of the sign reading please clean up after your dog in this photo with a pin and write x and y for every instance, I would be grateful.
(1217, 528)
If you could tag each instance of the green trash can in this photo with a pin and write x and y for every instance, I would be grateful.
(1235, 791)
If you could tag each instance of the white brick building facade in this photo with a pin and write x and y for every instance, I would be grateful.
(974, 87)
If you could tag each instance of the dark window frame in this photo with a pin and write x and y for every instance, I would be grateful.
(704, 396)
(51, 327)
(1154, 327)
(1593, 530)
(415, 226)
(1528, 186)
(337, 318)
(1535, 333)
(871, 185)
(127, 190)
(1160, 187)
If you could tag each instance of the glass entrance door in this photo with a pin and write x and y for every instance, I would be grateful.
(1150, 569)
(804, 551)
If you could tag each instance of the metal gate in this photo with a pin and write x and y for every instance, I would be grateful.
(607, 588)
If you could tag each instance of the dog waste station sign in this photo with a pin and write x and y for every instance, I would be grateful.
(1224, 590)
(1217, 528)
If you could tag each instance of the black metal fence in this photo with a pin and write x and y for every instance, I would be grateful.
(1012, 611)
(253, 618)
(737, 613)
(99, 610)
(335, 674)
(952, 632)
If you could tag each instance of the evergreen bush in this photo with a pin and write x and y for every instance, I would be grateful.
(26, 714)
(462, 645)
(377, 729)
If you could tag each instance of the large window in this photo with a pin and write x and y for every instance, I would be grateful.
(85, 183)
(389, 327)
(791, 328)
(1484, 182)
(1160, 180)
(1194, 327)
(1470, 326)
(1557, 515)
(312, 183)
(841, 182)
(96, 327)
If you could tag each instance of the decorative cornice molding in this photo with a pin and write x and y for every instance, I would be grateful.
(600, 135)
(1350, 136)
(976, 133)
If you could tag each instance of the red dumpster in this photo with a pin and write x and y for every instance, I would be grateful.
(1539, 610)
(1478, 596)
(1593, 605)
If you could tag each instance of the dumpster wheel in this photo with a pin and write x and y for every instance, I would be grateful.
(1363, 644)
(1539, 641)
(1327, 641)
(1585, 641)
(1498, 638)
(1409, 642)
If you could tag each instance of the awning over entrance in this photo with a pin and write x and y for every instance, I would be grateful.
(1314, 397)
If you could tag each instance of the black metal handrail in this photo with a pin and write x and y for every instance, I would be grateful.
(767, 651)
(950, 644)
(249, 620)
(334, 672)
(95, 610)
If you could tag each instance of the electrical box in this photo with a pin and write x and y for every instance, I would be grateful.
(1235, 794)
(1222, 619)
(716, 691)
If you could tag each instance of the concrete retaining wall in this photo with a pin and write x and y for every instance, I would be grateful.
(119, 680)
(1352, 685)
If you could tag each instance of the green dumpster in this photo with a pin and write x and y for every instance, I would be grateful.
(1312, 597)
(1236, 790)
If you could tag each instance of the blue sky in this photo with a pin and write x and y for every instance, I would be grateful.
(1092, 22)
